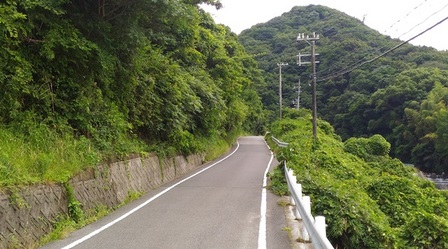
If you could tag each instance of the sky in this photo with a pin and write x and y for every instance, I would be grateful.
(401, 19)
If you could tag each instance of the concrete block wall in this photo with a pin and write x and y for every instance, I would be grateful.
(28, 213)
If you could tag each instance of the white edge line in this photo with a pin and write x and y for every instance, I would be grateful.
(99, 230)
(262, 243)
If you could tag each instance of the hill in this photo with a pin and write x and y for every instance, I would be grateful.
(401, 95)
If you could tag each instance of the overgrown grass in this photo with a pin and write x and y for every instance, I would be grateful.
(67, 224)
(216, 146)
(39, 154)
(42, 155)
(277, 182)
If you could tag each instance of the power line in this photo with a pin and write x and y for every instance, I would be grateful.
(379, 50)
(426, 19)
(342, 72)
(406, 16)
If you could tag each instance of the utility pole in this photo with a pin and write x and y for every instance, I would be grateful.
(280, 85)
(311, 40)
(298, 95)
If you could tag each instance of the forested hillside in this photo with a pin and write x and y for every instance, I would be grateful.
(402, 96)
(83, 81)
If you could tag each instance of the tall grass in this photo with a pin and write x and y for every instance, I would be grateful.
(39, 154)
(42, 155)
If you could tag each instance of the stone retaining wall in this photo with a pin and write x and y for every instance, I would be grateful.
(26, 214)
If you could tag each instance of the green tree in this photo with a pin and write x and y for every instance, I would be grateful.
(108, 70)
(425, 129)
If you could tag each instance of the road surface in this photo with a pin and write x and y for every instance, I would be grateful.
(222, 204)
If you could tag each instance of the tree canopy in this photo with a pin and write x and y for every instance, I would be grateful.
(161, 72)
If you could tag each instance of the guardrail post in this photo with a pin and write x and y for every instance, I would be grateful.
(298, 189)
(307, 204)
(306, 201)
(313, 228)
(319, 222)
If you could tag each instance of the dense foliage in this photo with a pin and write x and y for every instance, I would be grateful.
(400, 96)
(119, 77)
(369, 199)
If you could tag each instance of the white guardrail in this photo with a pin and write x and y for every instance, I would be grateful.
(280, 143)
(315, 227)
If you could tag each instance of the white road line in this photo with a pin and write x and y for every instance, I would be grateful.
(262, 243)
(90, 235)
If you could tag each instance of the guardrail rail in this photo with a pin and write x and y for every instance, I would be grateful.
(315, 227)
(280, 143)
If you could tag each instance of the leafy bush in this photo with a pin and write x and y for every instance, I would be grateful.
(75, 211)
(185, 142)
(357, 146)
(369, 199)
(354, 220)
(378, 145)
(424, 231)
(291, 113)
(396, 196)
(368, 148)
(392, 167)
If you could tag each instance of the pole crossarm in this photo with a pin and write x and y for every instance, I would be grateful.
(307, 38)
(300, 62)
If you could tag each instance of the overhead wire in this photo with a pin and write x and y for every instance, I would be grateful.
(406, 16)
(433, 14)
(378, 50)
(342, 72)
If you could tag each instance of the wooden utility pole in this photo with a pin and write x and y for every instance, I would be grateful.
(299, 90)
(311, 40)
(280, 86)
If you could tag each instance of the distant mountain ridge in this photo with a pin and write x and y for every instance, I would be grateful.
(371, 99)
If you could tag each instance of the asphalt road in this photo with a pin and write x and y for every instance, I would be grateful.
(222, 204)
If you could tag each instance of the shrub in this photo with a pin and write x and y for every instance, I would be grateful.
(368, 149)
(354, 220)
(292, 113)
(378, 145)
(424, 231)
(357, 146)
(369, 199)
(392, 167)
(396, 197)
